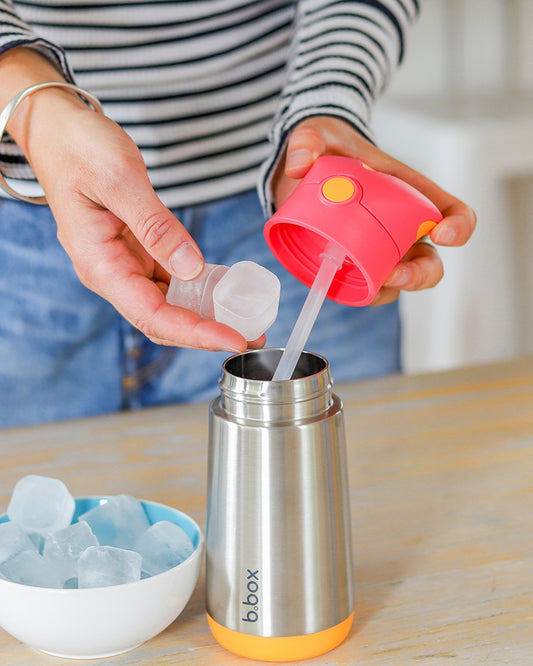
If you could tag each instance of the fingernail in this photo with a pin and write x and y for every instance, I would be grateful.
(445, 235)
(299, 158)
(399, 278)
(233, 350)
(185, 262)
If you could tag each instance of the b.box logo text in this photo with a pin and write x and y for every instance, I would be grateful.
(251, 603)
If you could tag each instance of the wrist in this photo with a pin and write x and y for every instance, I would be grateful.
(33, 129)
(20, 68)
(39, 114)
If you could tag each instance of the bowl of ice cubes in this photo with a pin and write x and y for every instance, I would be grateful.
(92, 577)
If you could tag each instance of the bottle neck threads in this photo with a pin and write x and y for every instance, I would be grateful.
(248, 392)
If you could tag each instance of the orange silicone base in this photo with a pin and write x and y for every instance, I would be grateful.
(280, 648)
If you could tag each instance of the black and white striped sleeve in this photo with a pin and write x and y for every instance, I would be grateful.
(16, 32)
(343, 54)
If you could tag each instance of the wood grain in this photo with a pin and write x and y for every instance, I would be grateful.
(441, 482)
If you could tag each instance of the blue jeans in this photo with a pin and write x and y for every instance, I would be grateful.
(65, 352)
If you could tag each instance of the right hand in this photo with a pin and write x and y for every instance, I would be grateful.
(421, 267)
(123, 242)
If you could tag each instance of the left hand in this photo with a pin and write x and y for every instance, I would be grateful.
(421, 267)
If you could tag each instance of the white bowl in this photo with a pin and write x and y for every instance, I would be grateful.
(101, 622)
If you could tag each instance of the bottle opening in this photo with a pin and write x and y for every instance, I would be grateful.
(299, 250)
(261, 364)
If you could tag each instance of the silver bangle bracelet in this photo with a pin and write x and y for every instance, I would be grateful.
(7, 112)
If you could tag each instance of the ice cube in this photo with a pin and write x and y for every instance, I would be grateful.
(30, 568)
(101, 566)
(118, 522)
(41, 504)
(71, 584)
(37, 540)
(247, 299)
(197, 294)
(65, 546)
(13, 541)
(163, 546)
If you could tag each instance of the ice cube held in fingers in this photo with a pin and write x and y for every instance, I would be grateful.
(244, 296)
(247, 299)
(197, 295)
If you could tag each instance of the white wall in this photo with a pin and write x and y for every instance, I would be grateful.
(461, 111)
(474, 46)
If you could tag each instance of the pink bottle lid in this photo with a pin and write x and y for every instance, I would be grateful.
(374, 217)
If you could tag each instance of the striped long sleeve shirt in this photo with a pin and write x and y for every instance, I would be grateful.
(210, 89)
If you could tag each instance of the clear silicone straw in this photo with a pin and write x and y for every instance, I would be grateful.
(332, 259)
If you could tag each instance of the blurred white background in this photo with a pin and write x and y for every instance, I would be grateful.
(460, 110)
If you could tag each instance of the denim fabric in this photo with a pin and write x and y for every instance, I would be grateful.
(65, 352)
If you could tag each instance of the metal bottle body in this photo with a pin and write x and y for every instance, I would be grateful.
(278, 524)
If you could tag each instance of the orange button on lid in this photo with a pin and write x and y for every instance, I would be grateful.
(425, 228)
(338, 189)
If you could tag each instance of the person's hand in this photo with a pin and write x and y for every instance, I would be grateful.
(124, 244)
(421, 267)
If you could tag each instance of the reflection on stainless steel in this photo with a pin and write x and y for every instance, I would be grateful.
(278, 524)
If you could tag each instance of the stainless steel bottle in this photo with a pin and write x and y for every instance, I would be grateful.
(279, 567)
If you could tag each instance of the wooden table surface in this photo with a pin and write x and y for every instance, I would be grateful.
(441, 482)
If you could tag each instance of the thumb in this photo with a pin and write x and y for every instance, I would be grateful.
(160, 233)
(306, 143)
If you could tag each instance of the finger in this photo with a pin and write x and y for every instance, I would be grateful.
(421, 268)
(257, 344)
(118, 278)
(211, 338)
(162, 286)
(154, 226)
(386, 295)
(170, 325)
(306, 143)
(459, 219)
(457, 225)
